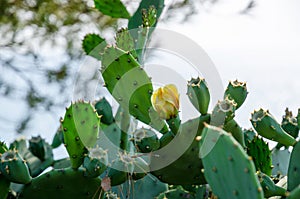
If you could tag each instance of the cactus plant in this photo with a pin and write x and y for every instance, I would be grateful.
(232, 163)
(261, 155)
(198, 94)
(63, 183)
(206, 157)
(266, 125)
(80, 126)
(294, 169)
(114, 8)
(14, 168)
(104, 109)
(236, 91)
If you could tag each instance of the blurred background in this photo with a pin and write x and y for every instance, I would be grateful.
(40, 54)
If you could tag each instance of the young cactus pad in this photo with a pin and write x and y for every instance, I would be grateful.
(104, 109)
(14, 168)
(80, 125)
(223, 112)
(227, 168)
(114, 8)
(198, 94)
(259, 150)
(266, 125)
(129, 85)
(146, 140)
(236, 91)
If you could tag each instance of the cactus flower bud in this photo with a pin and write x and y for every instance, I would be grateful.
(165, 101)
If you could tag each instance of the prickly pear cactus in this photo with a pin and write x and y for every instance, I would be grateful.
(63, 183)
(136, 20)
(130, 86)
(280, 161)
(113, 8)
(14, 168)
(104, 109)
(4, 183)
(93, 45)
(198, 94)
(233, 127)
(146, 140)
(261, 155)
(266, 125)
(80, 125)
(236, 91)
(294, 168)
(289, 125)
(232, 163)
(176, 171)
(149, 185)
(223, 112)
(95, 163)
(39, 147)
(177, 193)
(269, 187)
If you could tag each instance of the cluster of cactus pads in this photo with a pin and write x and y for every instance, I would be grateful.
(142, 150)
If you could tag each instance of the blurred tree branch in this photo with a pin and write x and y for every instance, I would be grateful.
(41, 47)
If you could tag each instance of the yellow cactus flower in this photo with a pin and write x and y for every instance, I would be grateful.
(165, 101)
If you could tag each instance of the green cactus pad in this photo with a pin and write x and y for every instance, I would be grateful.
(185, 169)
(148, 187)
(124, 166)
(125, 41)
(289, 124)
(177, 193)
(129, 85)
(58, 138)
(249, 135)
(137, 20)
(64, 183)
(232, 174)
(269, 187)
(115, 8)
(146, 140)
(280, 161)
(266, 125)
(143, 33)
(14, 168)
(93, 45)
(3, 147)
(39, 147)
(261, 155)
(35, 165)
(295, 194)
(104, 109)
(166, 139)
(237, 91)
(62, 163)
(198, 94)
(223, 112)
(95, 163)
(294, 168)
(233, 127)
(80, 126)
(4, 187)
